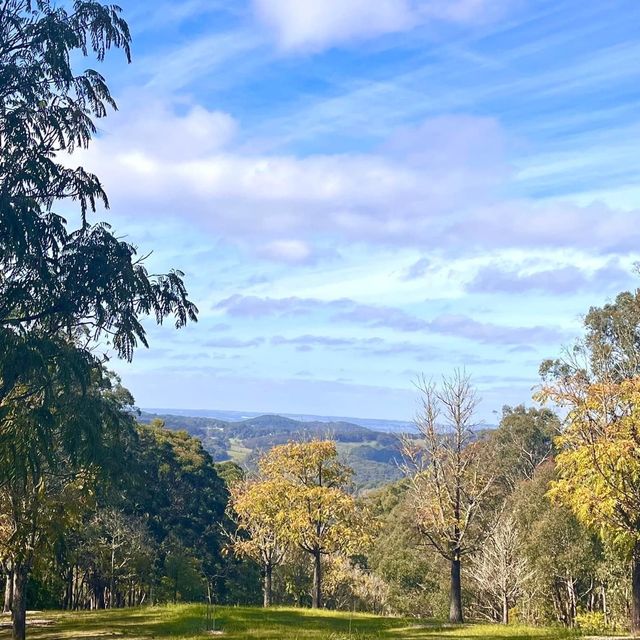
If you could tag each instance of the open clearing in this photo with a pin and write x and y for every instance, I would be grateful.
(236, 623)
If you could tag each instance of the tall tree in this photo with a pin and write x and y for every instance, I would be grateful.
(599, 464)
(612, 338)
(62, 289)
(322, 517)
(59, 474)
(450, 485)
(597, 381)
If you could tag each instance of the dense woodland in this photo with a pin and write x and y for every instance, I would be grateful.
(537, 520)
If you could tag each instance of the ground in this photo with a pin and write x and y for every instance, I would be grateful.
(189, 622)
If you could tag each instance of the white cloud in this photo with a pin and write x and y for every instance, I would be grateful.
(440, 185)
(313, 25)
(316, 24)
(288, 251)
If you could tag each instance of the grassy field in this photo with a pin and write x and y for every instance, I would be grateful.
(189, 622)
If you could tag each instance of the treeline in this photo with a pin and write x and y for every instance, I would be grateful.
(537, 521)
(147, 527)
(374, 455)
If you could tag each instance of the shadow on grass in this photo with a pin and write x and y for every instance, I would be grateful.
(188, 622)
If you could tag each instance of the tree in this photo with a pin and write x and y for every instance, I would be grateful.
(500, 569)
(262, 517)
(175, 486)
(62, 290)
(612, 340)
(522, 442)
(599, 463)
(57, 481)
(322, 518)
(450, 487)
(561, 551)
(117, 542)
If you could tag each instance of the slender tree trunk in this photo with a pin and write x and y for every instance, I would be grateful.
(455, 606)
(635, 591)
(505, 609)
(316, 594)
(19, 604)
(8, 592)
(268, 573)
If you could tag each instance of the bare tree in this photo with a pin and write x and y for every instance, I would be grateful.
(499, 569)
(449, 483)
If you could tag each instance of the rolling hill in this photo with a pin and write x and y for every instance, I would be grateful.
(373, 455)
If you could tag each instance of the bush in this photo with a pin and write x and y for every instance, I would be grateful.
(592, 622)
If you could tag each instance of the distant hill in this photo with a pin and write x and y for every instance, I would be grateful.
(389, 426)
(373, 454)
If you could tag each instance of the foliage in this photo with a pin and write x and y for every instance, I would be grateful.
(599, 462)
(260, 510)
(562, 553)
(300, 500)
(522, 442)
(374, 456)
(592, 623)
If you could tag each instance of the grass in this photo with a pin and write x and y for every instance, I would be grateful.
(237, 451)
(188, 622)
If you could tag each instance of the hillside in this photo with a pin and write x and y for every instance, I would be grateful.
(373, 455)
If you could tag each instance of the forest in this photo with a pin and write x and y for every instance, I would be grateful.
(374, 456)
(534, 522)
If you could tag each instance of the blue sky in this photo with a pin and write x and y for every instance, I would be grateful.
(362, 191)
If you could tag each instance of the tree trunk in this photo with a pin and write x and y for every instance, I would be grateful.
(268, 571)
(505, 609)
(8, 592)
(316, 594)
(19, 604)
(455, 606)
(635, 591)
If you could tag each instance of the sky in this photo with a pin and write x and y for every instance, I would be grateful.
(360, 192)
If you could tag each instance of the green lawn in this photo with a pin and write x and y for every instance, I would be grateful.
(188, 622)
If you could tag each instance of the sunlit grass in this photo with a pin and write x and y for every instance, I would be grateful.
(189, 622)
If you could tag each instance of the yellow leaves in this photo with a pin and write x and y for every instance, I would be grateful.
(599, 464)
(307, 463)
(300, 499)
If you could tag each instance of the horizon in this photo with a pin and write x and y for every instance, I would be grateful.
(363, 195)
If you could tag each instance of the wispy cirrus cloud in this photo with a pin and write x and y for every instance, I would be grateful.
(314, 26)
(233, 343)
